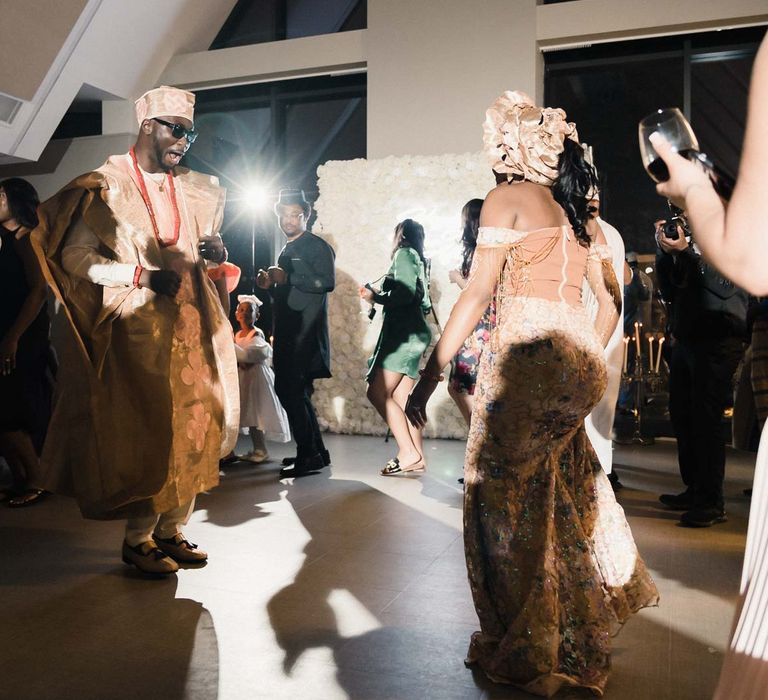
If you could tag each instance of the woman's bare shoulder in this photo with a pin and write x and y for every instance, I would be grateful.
(519, 203)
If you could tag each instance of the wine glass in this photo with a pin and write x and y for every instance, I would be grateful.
(674, 127)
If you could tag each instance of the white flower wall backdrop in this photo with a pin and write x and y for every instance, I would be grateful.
(360, 203)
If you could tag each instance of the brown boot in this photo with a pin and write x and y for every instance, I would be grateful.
(181, 549)
(148, 558)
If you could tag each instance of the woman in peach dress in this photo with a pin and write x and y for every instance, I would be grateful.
(552, 564)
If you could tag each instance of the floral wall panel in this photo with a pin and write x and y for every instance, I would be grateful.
(360, 203)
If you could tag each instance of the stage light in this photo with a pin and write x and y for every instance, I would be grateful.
(254, 197)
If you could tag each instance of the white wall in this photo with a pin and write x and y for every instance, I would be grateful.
(435, 65)
(293, 58)
(569, 23)
(74, 158)
(118, 47)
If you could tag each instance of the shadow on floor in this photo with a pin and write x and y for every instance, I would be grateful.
(127, 629)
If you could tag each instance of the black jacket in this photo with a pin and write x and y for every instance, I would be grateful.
(301, 342)
(704, 304)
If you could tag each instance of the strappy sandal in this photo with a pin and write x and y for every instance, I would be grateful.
(393, 468)
(26, 498)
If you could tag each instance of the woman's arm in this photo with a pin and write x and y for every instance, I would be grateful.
(604, 285)
(29, 309)
(457, 278)
(256, 352)
(735, 241)
(399, 286)
(487, 265)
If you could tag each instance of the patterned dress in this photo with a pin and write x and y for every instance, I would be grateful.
(466, 363)
(552, 565)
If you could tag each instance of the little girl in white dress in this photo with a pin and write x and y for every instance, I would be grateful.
(260, 411)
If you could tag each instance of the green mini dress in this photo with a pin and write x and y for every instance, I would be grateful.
(405, 334)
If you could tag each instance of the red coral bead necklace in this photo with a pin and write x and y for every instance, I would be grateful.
(148, 204)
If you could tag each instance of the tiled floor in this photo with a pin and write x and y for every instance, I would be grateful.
(341, 585)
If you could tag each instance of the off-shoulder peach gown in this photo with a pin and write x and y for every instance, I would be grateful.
(552, 564)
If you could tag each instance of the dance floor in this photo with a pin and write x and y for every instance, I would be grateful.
(340, 585)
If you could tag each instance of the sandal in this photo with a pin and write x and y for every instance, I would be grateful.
(26, 498)
(393, 467)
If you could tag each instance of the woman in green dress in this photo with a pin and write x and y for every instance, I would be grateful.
(394, 366)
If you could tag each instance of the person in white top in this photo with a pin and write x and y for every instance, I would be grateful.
(599, 423)
(261, 414)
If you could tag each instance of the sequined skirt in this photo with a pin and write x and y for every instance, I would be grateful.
(552, 564)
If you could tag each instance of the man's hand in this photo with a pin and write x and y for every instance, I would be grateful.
(277, 275)
(262, 279)
(165, 282)
(212, 248)
(671, 246)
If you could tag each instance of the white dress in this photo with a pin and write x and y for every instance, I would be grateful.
(745, 670)
(599, 423)
(259, 405)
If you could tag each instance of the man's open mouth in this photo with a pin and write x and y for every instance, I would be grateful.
(175, 157)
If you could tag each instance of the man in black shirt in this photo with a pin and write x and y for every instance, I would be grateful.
(708, 324)
(299, 284)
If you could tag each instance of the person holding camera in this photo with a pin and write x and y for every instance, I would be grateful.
(404, 338)
(735, 239)
(708, 326)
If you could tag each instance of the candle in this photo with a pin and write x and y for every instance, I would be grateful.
(638, 328)
(650, 352)
(626, 353)
(658, 356)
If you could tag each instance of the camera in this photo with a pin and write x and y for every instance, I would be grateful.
(372, 310)
(670, 226)
(678, 219)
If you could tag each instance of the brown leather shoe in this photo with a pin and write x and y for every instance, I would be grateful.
(148, 558)
(181, 549)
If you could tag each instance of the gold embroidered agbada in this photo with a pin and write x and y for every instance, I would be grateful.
(148, 397)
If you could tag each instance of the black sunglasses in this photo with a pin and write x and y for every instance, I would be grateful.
(178, 131)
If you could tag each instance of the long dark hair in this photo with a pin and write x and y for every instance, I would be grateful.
(22, 200)
(410, 234)
(470, 222)
(576, 180)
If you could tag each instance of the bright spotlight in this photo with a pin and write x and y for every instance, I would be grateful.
(254, 197)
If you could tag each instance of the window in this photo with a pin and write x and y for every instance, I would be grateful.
(606, 89)
(274, 134)
(274, 20)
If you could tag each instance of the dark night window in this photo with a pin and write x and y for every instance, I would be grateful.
(607, 88)
(274, 134)
(274, 20)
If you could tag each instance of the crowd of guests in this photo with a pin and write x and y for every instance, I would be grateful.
(552, 564)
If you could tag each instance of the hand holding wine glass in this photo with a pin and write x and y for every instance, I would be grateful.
(669, 125)
(675, 129)
(682, 174)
